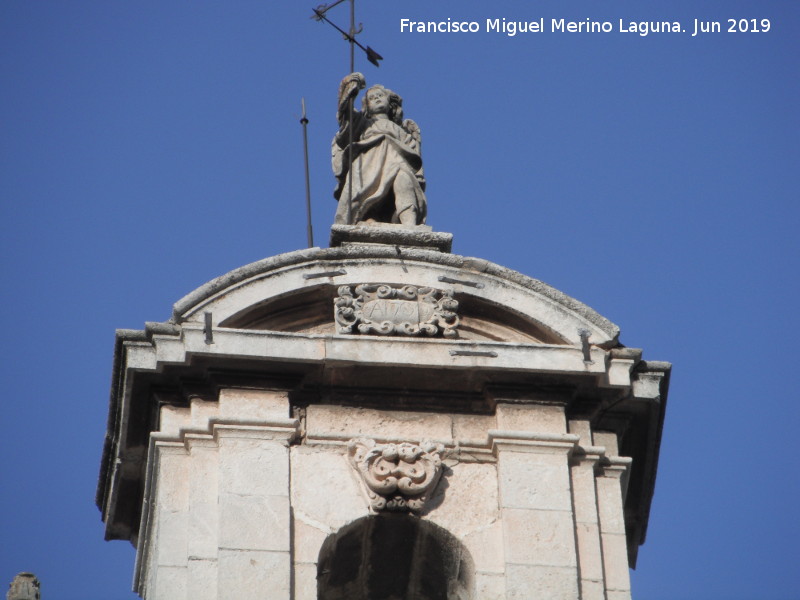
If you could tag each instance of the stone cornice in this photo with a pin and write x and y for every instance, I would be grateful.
(439, 353)
(284, 430)
(539, 443)
(588, 455)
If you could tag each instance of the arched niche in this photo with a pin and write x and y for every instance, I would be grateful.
(394, 557)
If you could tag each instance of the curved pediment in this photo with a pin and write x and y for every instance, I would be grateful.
(296, 292)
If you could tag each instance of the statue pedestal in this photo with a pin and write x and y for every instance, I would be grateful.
(417, 236)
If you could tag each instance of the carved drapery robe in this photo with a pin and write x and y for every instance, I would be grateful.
(381, 150)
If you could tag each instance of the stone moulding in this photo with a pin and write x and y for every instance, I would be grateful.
(396, 310)
(397, 477)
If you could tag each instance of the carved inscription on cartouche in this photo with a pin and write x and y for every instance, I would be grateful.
(396, 310)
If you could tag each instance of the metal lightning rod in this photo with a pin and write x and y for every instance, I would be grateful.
(352, 37)
(304, 123)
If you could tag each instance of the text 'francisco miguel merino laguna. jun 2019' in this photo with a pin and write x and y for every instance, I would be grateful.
(642, 28)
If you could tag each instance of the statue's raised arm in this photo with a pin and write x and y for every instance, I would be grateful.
(385, 182)
(348, 90)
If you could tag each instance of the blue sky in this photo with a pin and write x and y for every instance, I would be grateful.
(148, 147)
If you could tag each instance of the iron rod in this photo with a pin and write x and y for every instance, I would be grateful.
(304, 123)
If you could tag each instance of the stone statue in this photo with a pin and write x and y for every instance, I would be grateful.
(386, 182)
(24, 587)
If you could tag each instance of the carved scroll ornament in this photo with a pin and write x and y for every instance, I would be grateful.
(396, 310)
(398, 477)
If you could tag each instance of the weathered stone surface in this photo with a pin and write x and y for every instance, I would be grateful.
(525, 582)
(420, 236)
(201, 579)
(172, 538)
(244, 405)
(293, 271)
(590, 556)
(202, 413)
(345, 423)
(583, 429)
(376, 157)
(307, 539)
(534, 481)
(587, 529)
(253, 575)
(536, 417)
(615, 562)
(539, 537)
(254, 522)
(173, 419)
(486, 548)
(607, 440)
(203, 528)
(470, 430)
(534, 526)
(384, 309)
(592, 590)
(609, 505)
(397, 477)
(305, 581)
(317, 473)
(466, 501)
(170, 510)
(170, 582)
(24, 586)
(490, 586)
(619, 372)
(253, 467)
(584, 497)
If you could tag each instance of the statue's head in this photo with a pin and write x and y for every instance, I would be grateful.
(379, 99)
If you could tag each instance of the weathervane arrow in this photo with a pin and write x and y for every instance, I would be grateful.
(320, 15)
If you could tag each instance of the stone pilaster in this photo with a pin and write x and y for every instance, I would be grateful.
(168, 538)
(612, 519)
(536, 507)
(218, 518)
(254, 514)
(203, 517)
(587, 524)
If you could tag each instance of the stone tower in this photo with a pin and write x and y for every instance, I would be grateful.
(381, 419)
